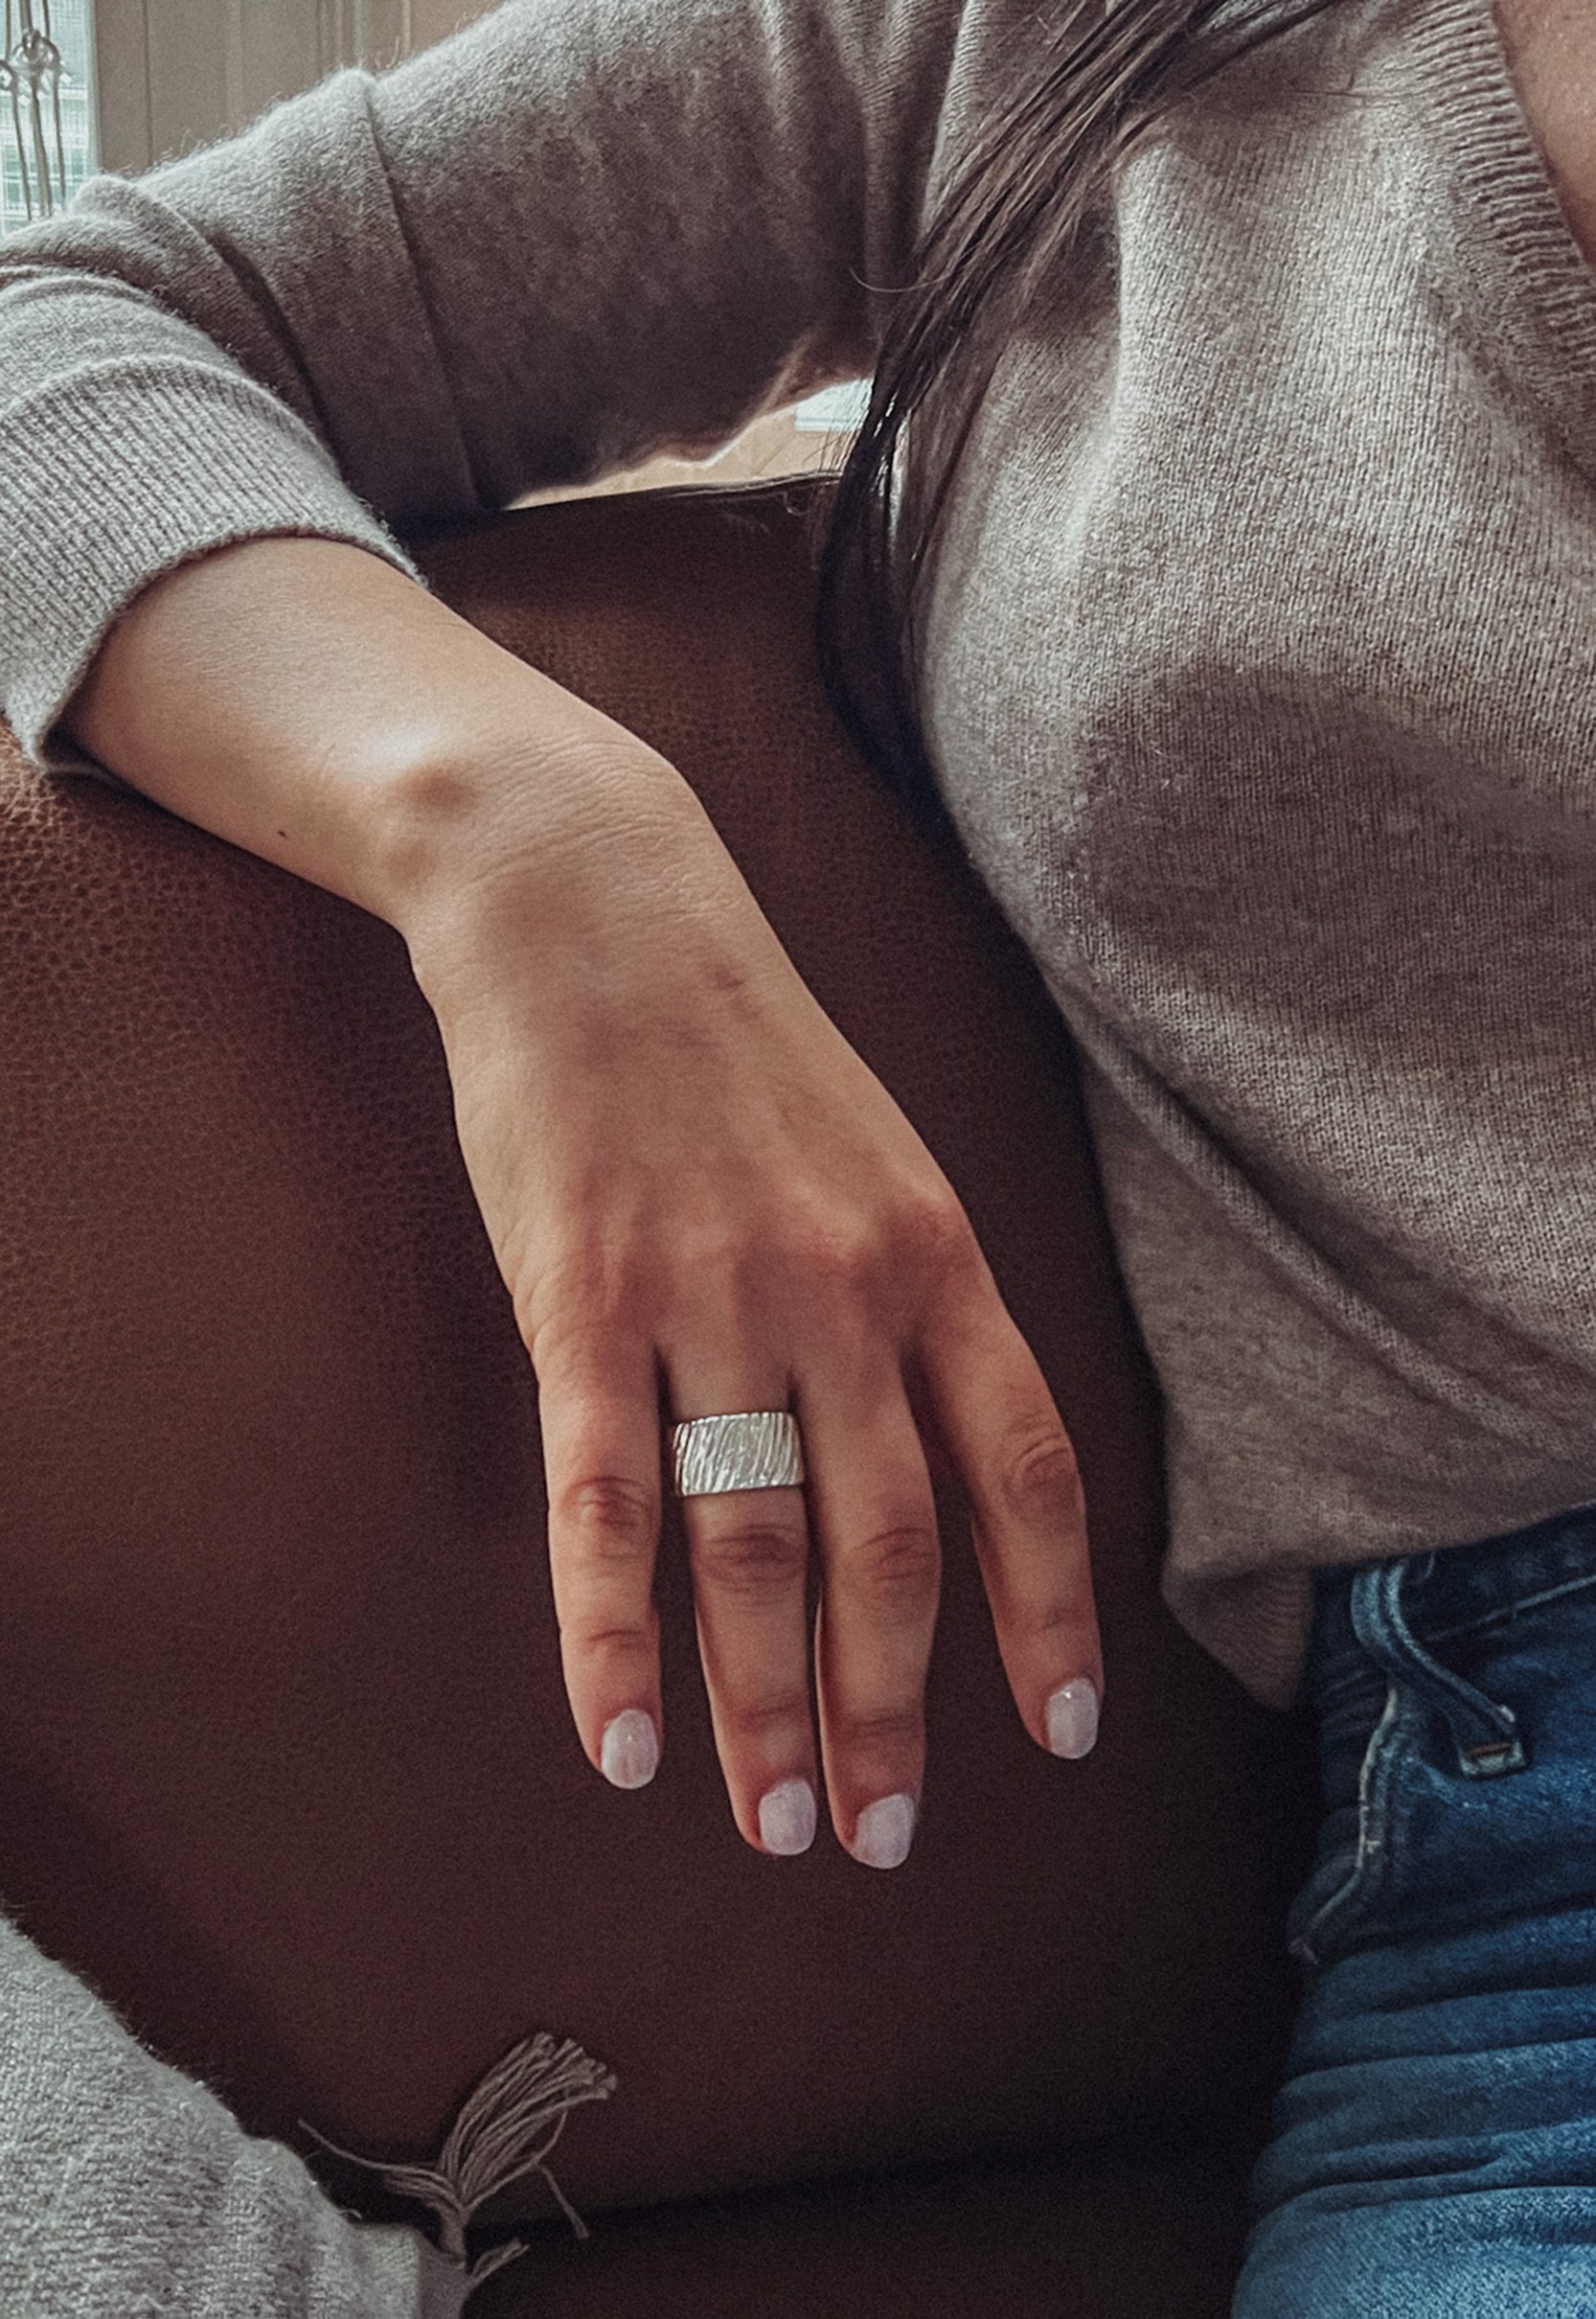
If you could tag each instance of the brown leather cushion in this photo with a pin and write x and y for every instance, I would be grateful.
(289, 1768)
(1133, 2230)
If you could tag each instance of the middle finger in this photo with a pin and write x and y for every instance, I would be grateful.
(875, 1517)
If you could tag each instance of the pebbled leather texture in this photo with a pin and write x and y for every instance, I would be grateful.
(286, 1766)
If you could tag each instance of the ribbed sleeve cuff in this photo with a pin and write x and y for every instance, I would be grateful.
(136, 469)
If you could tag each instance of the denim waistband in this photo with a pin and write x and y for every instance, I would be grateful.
(1453, 1588)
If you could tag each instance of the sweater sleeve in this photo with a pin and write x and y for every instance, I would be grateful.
(127, 2186)
(571, 236)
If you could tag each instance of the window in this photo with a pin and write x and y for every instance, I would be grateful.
(49, 141)
(835, 408)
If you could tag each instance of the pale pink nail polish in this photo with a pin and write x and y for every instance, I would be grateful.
(630, 1751)
(787, 1817)
(884, 1831)
(1072, 1717)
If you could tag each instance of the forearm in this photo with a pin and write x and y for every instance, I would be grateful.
(127, 2186)
(307, 701)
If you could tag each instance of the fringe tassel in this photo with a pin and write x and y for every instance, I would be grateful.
(487, 2144)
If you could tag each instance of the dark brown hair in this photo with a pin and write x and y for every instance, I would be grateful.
(1103, 78)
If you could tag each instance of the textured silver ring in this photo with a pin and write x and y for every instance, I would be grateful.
(756, 1449)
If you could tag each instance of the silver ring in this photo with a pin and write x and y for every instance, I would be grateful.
(756, 1449)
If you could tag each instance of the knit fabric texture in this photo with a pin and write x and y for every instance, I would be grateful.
(128, 2189)
(1259, 648)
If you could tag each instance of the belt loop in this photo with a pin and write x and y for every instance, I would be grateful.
(1483, 1732)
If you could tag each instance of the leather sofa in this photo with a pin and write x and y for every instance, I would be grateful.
(289, 1768)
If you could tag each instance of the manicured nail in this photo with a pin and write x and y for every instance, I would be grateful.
(631, 1749)
(884, 1831)
(1072, 1717)
(787, 1817)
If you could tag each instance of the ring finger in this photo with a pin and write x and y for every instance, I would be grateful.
(749, 1552)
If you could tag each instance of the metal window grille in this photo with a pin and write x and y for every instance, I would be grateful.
(48, 143)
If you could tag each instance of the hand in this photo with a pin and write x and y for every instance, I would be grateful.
(690, 1178)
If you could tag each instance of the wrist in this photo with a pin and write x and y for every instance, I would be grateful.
(511, 840)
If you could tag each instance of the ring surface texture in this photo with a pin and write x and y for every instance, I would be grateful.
(754, 1450)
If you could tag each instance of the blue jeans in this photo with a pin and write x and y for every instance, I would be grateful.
(1433, 2151)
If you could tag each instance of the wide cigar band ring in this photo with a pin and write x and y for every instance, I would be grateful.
(757, 1449)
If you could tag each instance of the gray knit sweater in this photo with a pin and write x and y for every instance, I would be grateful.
(1260, 647)
(128, 2189)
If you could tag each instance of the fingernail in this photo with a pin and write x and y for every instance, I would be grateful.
(1072, 1717)
(630, 1751)
(884, 1831)
(787, 1817)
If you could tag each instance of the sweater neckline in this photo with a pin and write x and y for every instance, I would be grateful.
(1531, 287)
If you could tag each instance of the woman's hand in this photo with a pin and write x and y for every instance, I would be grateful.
(690, 1178)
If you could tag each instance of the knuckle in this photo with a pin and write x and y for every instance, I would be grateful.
(753, 1561)
(836, 1253)
(609, 1517)
(937, 1228)
(1043, 1478)
(901, 1564)
(924, 1230)
(613, 1637)
(822, 1233)
(781, 1711)
(891, 1730)
(1065, 1616)
(720, 1248)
